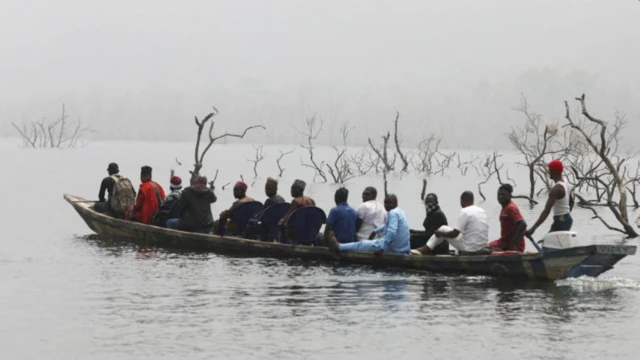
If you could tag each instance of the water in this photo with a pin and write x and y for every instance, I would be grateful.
(67, 294)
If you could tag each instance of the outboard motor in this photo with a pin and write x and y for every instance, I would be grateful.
(559, 240)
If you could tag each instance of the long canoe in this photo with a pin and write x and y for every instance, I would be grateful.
(549, 266)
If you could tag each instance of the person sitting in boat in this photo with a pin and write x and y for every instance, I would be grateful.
(271, 190)
(168, 210)
(150, 198)
(107, 187)
(512, 224)
(371, 213)
(342, 219)
(299, 200)
(469, 236)
(240, 194)
(395, 234)
(559, 200)
(194, 208)
(432, 222)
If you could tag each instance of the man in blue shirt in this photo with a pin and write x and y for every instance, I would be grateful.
(396, 237)
(342, 220)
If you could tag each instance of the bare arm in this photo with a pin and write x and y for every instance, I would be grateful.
(555, 193)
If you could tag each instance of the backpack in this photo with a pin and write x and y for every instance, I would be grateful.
(123, 196)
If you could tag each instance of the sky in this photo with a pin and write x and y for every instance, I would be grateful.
(140, 70)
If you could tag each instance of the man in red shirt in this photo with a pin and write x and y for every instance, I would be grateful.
(512, 224)
(150, 198)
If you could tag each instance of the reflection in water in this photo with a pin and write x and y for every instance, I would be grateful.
(284, 304)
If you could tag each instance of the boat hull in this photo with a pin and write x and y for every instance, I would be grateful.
(547, 266)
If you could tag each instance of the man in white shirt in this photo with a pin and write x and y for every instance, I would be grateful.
(371, 214)
(470, 235)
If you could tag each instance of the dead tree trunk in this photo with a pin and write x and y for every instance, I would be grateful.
(604, 151)
(383, 154)
(312, 134)
(282, 154)
(403, 157)
(199, 157)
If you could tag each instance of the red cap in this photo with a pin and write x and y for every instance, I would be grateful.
(555, 166)
(175, 180)
(241, 184)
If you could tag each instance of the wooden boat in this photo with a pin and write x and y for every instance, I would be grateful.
(554, 265)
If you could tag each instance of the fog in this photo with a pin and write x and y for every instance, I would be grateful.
(140, 70)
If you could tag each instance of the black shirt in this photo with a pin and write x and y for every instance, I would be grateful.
(106, 185)
(433, 221)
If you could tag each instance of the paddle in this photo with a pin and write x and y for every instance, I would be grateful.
(534, 243)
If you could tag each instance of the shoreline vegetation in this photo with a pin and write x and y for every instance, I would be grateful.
(601, 174)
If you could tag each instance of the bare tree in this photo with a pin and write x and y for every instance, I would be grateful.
(363, 162)
(383, 154)
(55, 134)
(613, 174)
(403, 157)
(534, 141)
(258, 157)
(199, 157)
(282, 155)
(489, 167)
(341, 170)
(311, 133)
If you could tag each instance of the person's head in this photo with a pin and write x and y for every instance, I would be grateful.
(555, 169)
(145, 173)
(341, 196)
(504, 194)
(390, 202)
(176, 183)
(200, 181)
(239, 190)
(297, 189)
(369, 193)
(271, 187)
(466, 199)
(113, 169)
(431, 199)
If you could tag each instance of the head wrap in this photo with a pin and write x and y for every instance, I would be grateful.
(176, 183)
(241, 184)
(113, 167)
(299, 183)
(555, 166)
(272, 181)
(146, 170)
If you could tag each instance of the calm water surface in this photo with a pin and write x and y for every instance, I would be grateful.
(68, 294)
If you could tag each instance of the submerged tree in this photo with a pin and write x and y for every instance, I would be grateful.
(311, 133)
(199, 156)
(534, 141)
(52, 134)
(608, 169)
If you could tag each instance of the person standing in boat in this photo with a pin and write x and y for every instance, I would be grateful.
(512, 224)
(395, 239)
(341, 222)
(469, 236)
(560, 201)
(240, 194)
(432, 222)
(150, 198)
(194, 208)
(371, 213)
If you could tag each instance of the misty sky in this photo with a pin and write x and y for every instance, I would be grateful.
(142, 69)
